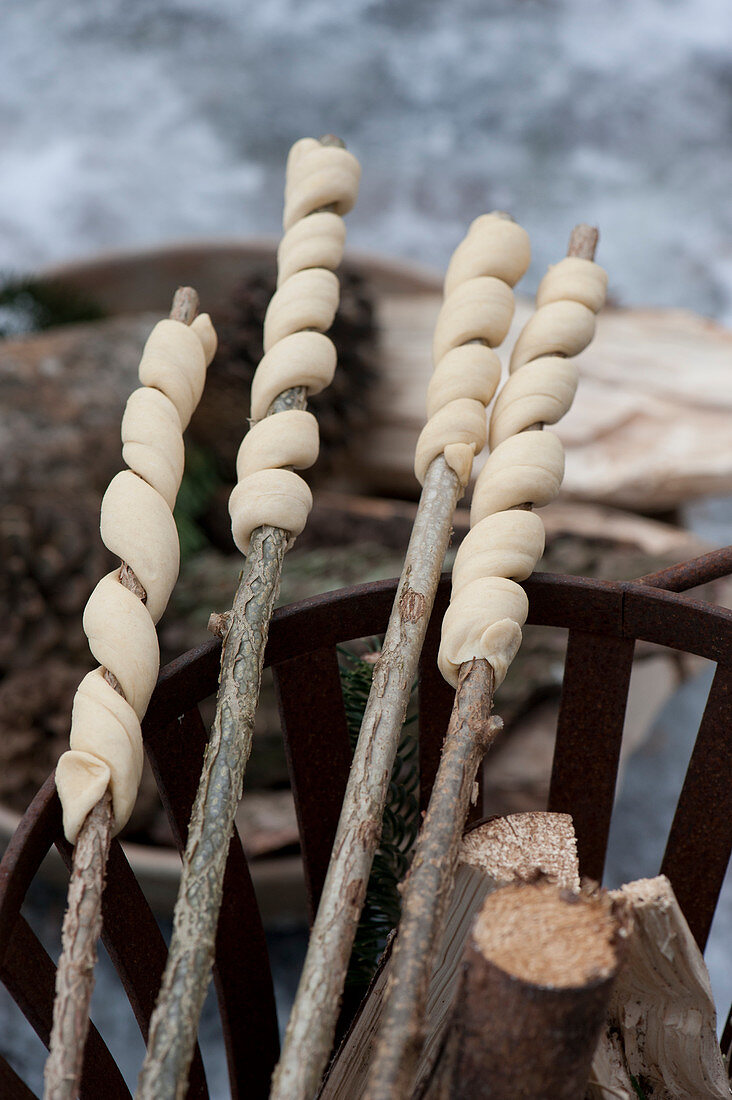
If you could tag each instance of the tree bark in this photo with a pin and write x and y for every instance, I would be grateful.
(537, 977)
(79, 936)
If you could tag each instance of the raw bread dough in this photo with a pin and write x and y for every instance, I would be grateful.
(317, 176)
(461, 421)
(302, 359)
(574, 279)
(315, 241)
(471, 370)
(174, 360)
(106, 751)
(540, 393)
(494, 245)
(136, 524)
(483, 620)
(152, 442)
(477, 311)
(288, 439)
(297, 353)
(309, 299)
(275, 498)
(524, 467)
(504, 544)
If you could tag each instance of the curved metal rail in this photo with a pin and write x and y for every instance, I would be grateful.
(604, 620)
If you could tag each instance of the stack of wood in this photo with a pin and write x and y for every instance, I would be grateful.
(548, 988)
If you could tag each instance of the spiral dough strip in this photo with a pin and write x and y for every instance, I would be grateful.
(137, 525)
(475, 317)
(525, 469)
(296, 351)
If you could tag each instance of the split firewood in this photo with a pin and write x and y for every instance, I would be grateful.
(98, 777)
(661, 1024)
(268, 507)
(474, 318)
(502, 851)
(482, 627)
(537, 975)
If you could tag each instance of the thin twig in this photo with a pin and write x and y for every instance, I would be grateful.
(174, 1022)
(428, 891)
(80, 933)
(313, 1019)
(82, 923)
(429, 883)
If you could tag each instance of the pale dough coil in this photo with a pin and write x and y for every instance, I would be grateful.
(569, 296)
(486, 612)
(296, 351)
(475, 317)
(525, 468)
(137, 525)
(319, 175)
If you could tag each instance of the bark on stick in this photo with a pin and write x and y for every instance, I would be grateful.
(83, 918)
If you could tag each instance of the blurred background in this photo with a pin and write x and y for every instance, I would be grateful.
(133, 127)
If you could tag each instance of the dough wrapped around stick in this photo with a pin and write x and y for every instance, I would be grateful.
(524, 470)
(137, 525)
(475, 317)
(297, 353)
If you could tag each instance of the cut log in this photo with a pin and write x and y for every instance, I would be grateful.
(537, 974)
(501, 851)
(642, 434)
(661, 1008)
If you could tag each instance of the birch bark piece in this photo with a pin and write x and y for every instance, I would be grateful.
(662, 1007)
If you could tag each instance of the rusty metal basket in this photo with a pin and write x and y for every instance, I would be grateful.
(604, 620)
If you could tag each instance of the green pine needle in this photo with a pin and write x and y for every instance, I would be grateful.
(382, 907)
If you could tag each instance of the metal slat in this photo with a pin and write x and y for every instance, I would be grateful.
(30, 977)
(700, 839)
(318, 755)
(589, 735)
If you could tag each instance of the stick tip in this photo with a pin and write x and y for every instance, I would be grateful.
(583, 241)
(185, 305)
(332, 140)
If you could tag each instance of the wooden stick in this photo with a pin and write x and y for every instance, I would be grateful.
(401, 1034)
(312, 1023)
(537, 977)
(82, 923)
(174, 1022)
